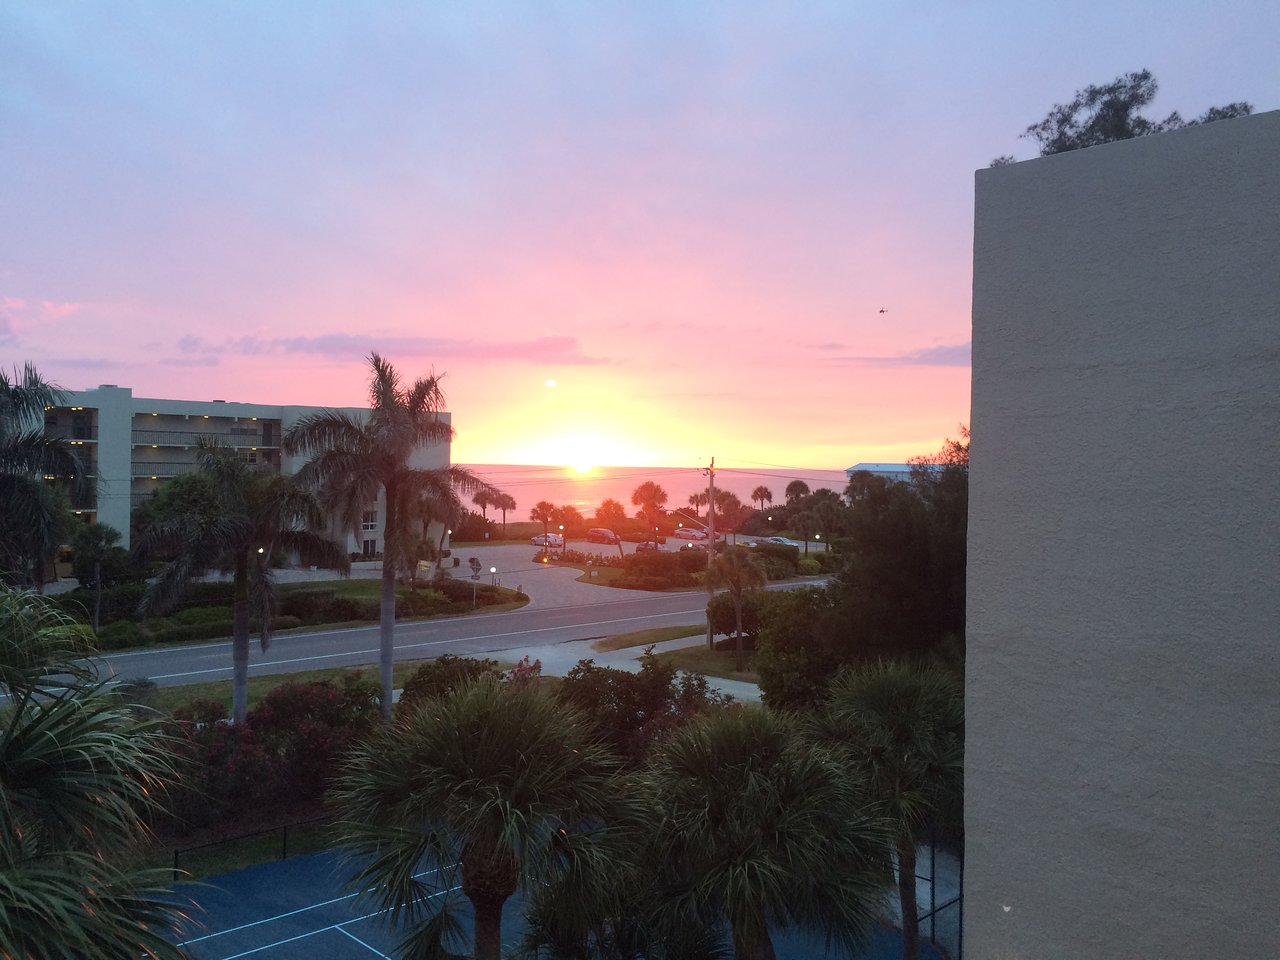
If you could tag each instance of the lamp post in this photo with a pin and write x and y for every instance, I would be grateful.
(562, 541)
(493, 576)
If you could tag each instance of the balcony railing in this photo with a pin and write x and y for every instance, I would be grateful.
(89, 432)
(189, 438)
(142, 471)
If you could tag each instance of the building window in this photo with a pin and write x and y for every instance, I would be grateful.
(247, 456)
(369, 520)
(370, 548)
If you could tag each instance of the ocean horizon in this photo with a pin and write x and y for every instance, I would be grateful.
(566, 486)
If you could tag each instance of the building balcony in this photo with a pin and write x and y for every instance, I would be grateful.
(162, 470)
(190, 438)
(75, 433)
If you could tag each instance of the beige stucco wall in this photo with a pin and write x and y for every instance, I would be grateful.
(1123, 681)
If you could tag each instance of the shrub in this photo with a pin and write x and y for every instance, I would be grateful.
(780, 561)
(421, 603)
(808, 566)
(201, 712)
(194, 615)
(443, 675)
(631, 709)
(309, 606)
(352, 608)
(118, 635)
(723, 621)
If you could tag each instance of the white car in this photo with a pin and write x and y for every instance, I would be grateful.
(783, 541)
(689, 533)
(547, 540)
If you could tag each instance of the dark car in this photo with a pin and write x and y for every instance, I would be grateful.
(601, 535)
(648, 546)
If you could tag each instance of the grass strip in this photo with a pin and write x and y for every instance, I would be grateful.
(712, 663)
(642, 638)
(168, 699)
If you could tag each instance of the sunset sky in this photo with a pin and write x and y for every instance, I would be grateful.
(629, 233)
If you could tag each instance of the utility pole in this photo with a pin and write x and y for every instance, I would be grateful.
(711, 540)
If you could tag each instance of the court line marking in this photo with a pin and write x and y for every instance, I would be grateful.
(332, 926)
(415, 646)
(294, 913)
(363, 944)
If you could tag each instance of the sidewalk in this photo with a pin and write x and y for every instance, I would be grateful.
(558, 659)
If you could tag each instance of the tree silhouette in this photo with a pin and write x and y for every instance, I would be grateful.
(495, 787)
(354, 462)
(738, 571)
(504, 502)
(762, 495)
(795, 490)
(901, 727)
(650, 498)
(240, 516)
(543, 512)
(34, 518)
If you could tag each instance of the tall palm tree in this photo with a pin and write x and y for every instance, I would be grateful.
(490, 787)
(484, 499)
(81, 775)
(762, 495)
(244, 516)
(33, 518)
(93, 543)
(543, 512)
(698, 500)
(353, 462)
(901, 728)
(650, 498)
(796, 489)
(504, 502)
(759, 828)
(738, 571)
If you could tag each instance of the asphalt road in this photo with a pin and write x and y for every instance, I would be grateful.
(485, 633)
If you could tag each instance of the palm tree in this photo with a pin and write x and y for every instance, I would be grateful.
(490, 787)
(795, 490)
(93, 543)
(762, 495)
(698, 500)
(81, 776)
(484, 499)
(33, 518)
(738, 571)
(755, 826)
(901, 728)
(543, 512)
(354, 462)
(649, 497)
(246, 514)
(504, 502)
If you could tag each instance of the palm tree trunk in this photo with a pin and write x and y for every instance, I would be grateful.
(737, 635)
(387, 635)
(487, 881)
(97, 599)
(387, 603)
(907, 897)
(488, 929)
(240, 642)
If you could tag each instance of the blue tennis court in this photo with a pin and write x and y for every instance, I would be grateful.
(299, 909)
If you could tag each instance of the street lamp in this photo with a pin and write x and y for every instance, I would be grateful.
(562, 540)
(493, 576)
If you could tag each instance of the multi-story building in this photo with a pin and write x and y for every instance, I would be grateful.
(131, 445)
(1122, 683)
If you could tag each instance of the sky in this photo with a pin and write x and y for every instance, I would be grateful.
(626, 233)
